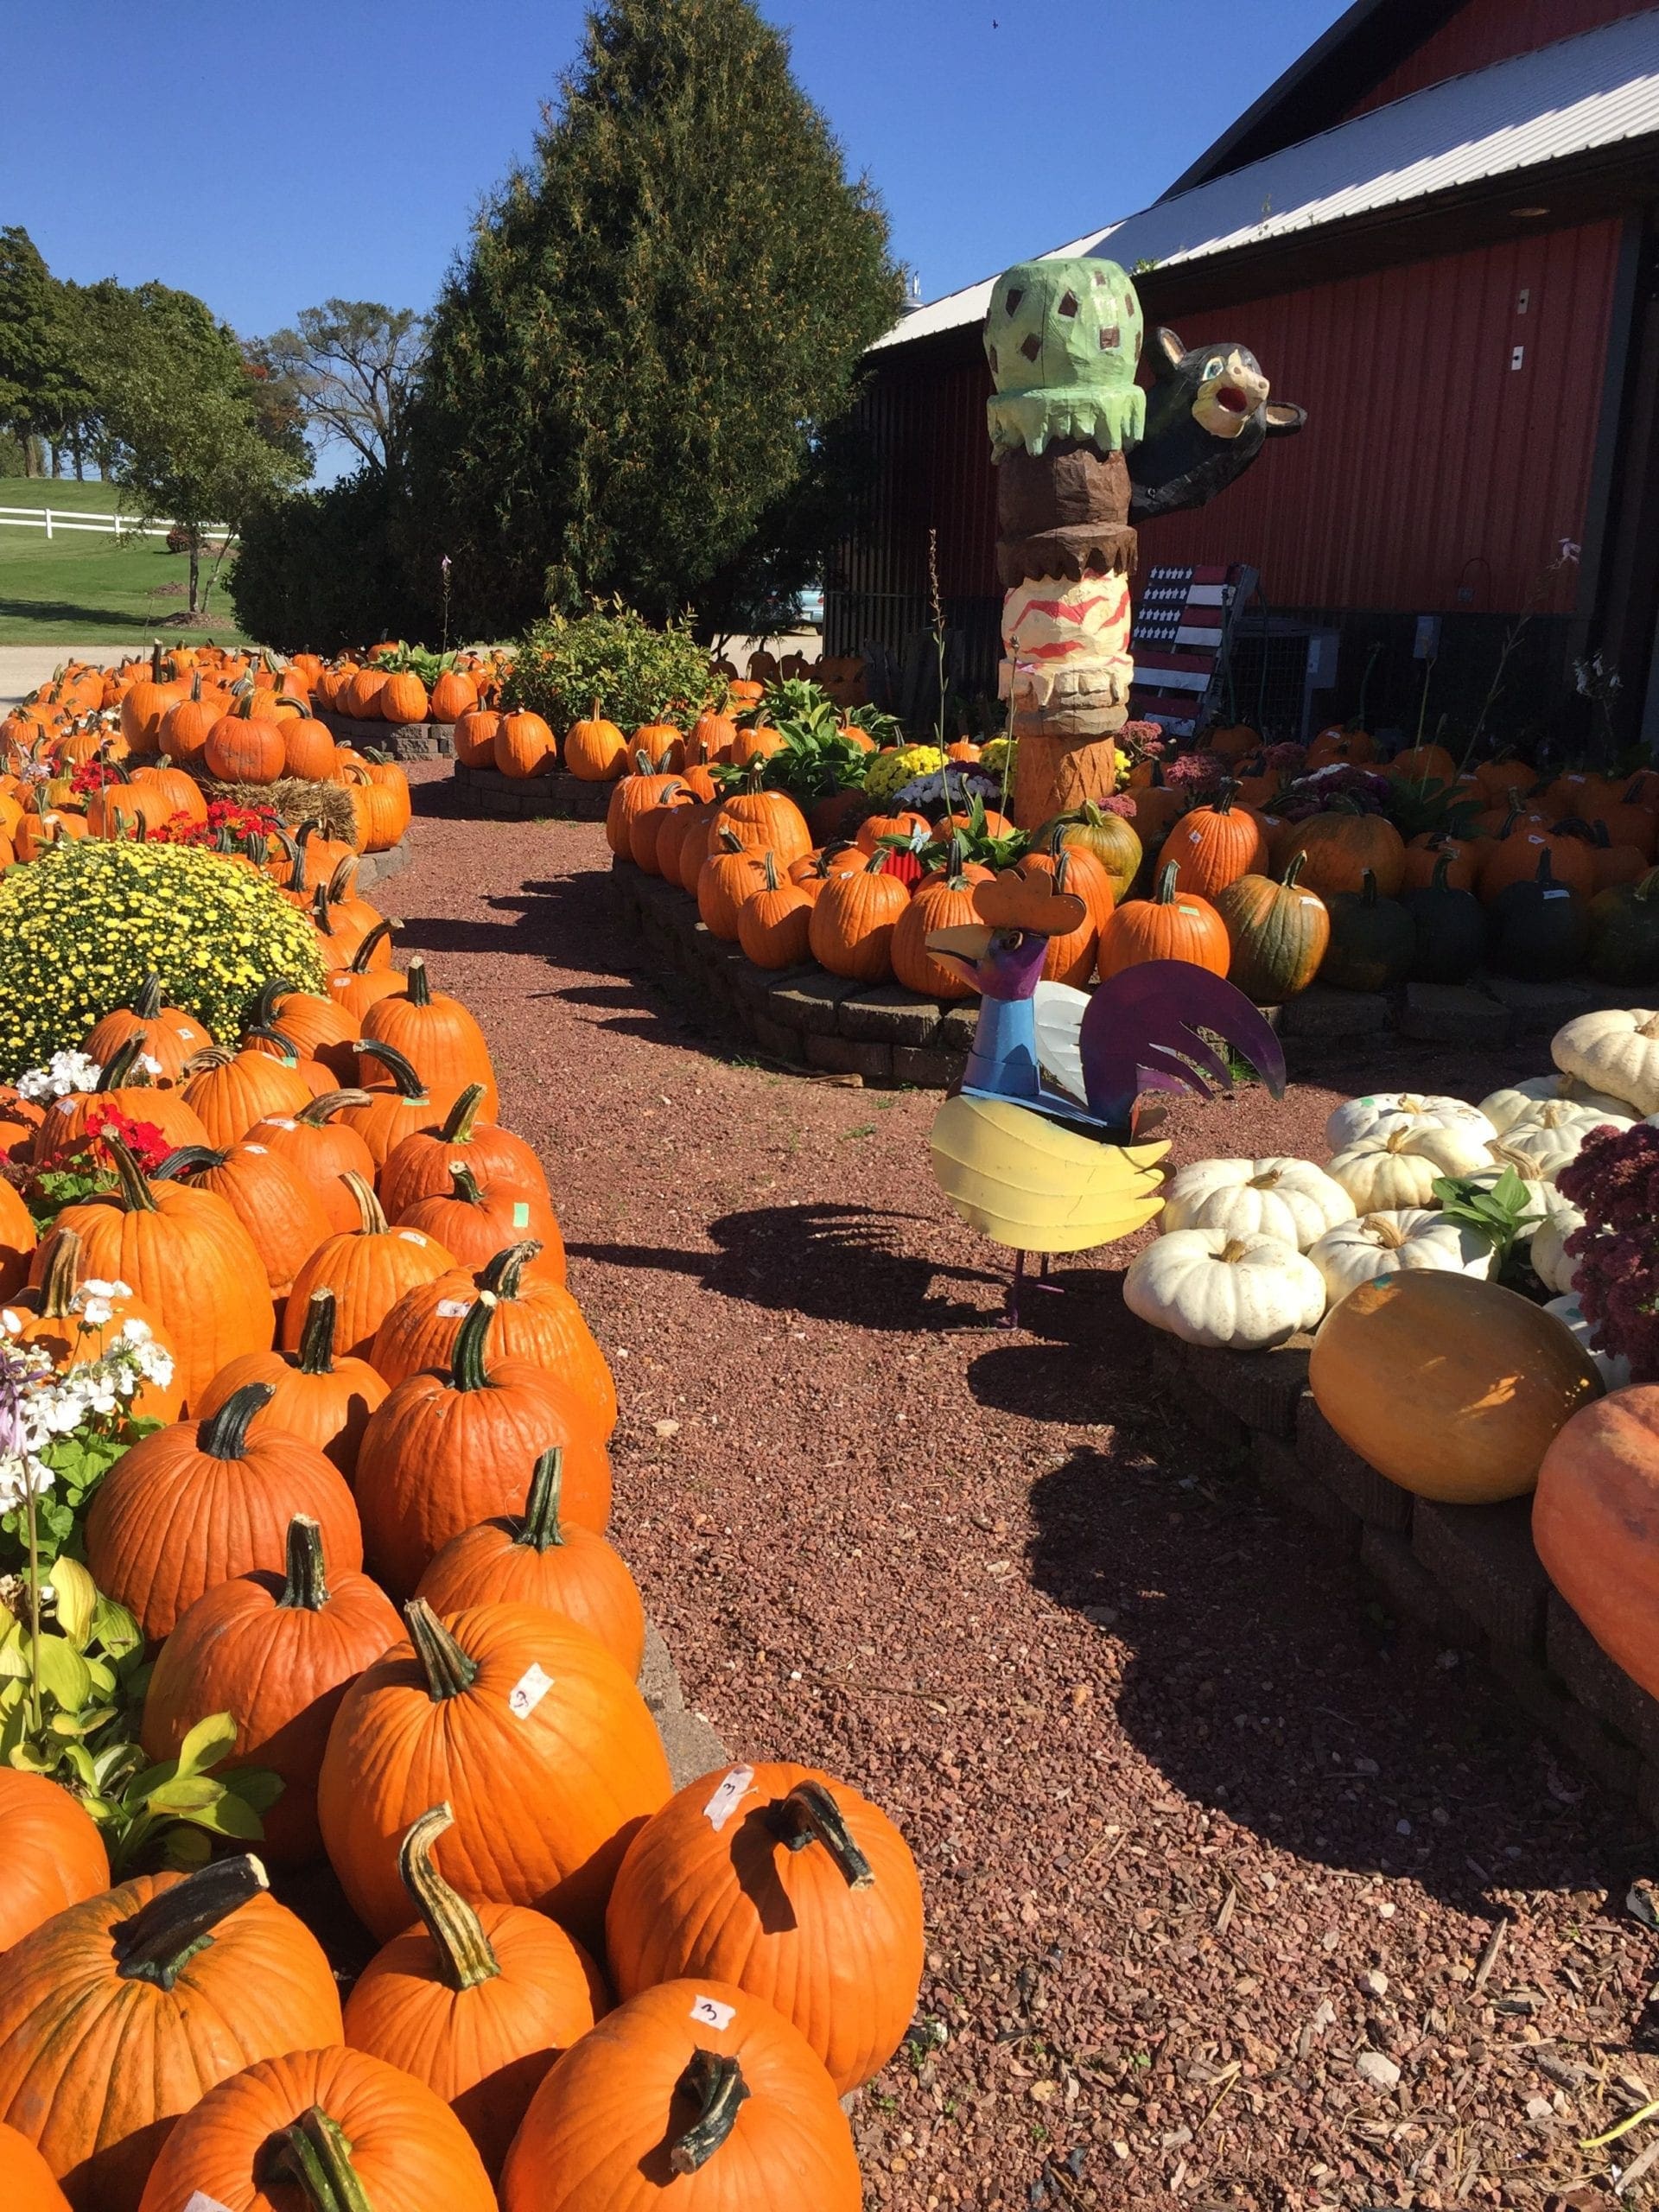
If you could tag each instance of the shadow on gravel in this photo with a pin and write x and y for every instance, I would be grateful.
(1260, 1683)
(832, 1263)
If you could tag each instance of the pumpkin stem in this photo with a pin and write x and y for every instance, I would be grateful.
(307, 1584)
(401, 1070)
(415, 987)
(465, 1955)
(122, 1066)
(1232, 1251)
(458, 1123)
(465, 1184)
(364, 953)
(448, 1670)
(370, 1213)
(539, 1530)
(161, 1937)
(468, 1370)
(331, 1103)
(287, 1050)
(136, 1194)
(716, 2087)
(187, 1160)
(502, 1274)
(313, 2153)
(1164, 895)
(1292, 869)
(147, 999)
(224, 1434)
(1368, 888)
(317, 1337)
(810, 1815)
(771, 871)
(61, 1278)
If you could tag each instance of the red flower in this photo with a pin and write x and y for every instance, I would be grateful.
(142, 1138)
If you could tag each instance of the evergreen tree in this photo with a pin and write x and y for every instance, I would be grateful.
(631, 370)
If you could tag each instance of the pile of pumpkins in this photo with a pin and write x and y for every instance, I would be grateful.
(372, 1531)
(596, 750)
(1554, 876)
(382, 687)
(162, 726)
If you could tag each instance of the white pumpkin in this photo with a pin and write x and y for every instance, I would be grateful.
(1389, 1243)
(1548, 1248)
(1615, 1051)
(1520, 1101)
(1615, 1370)
(1242, 1293)
(1400, 1166)
(1388, 1109)
(1291, 1199)
(1552, 1139)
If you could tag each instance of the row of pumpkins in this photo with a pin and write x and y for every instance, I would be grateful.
(592, 1989)
(596, 750)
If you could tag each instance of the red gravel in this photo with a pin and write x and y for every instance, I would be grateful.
(1198, 1825)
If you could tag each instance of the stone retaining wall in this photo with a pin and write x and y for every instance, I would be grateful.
(486, 792)
(403, 740)
(806, 1017)
(1468, 1574)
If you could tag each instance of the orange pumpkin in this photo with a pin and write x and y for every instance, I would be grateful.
(1167, 926)
(853, 921)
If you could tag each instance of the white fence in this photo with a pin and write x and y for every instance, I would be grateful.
(52, 519)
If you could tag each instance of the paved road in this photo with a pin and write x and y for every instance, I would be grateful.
(22, 667)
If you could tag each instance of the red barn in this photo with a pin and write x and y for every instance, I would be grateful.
(1437, 231)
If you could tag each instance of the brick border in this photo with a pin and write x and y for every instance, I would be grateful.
(497, 798)
(1467, 1574)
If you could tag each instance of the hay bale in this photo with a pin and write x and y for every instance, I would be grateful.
(294, 800)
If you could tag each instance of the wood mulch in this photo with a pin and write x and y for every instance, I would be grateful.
(1238, 1892)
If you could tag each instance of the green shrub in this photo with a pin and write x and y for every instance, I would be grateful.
(638, 673)
(82, 926)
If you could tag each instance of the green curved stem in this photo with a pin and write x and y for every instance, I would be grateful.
(306, 1585)
(448, 1670)
(458, 1123)
(539, 1530)
(810, 1815)
(162, 1936)
(465, 1954)
(504, 1272)
(313, 2153)
(224, 1434)
(716, 2086)
(317, 1337)
(468, 1370)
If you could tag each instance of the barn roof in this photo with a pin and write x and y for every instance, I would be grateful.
(1597, 91)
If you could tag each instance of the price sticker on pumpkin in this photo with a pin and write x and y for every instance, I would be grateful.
(728, 1797)
(520, 1213)
(527, 1693)
(709, 2012)
(1562, 893)
(200, 2202)
(452, 1309)
(411, 1236)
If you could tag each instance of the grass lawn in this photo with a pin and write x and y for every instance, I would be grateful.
(87, 588)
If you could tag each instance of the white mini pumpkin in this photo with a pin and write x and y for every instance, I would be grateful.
(1291, 1199)
(1400, 1165)
(1388, 1109)
(1616, 1051)
(1538, 1147)
(1242, 1294)
(1520, 1101)
(1548, 1248)
(1389, 1243)
(1615, 1370)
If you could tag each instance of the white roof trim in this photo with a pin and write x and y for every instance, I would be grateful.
(1599, 89)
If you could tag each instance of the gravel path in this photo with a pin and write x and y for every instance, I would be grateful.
(1215, 1854)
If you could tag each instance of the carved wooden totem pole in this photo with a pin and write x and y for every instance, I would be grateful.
(1064, 341)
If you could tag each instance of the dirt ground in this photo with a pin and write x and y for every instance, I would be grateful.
(1237, 1893)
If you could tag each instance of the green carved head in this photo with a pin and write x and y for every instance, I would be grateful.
(1064, 340)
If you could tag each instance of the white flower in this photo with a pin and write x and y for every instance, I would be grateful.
(11, 1321)
(133, 1332)
(65, 1073)
(153, 1067)
(96, 1312)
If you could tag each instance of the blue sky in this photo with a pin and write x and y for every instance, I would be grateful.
(268, 153)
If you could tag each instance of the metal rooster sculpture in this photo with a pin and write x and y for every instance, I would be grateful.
(1037, 1149)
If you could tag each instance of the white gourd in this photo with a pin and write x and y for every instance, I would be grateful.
(1392, 1243)
(1613, 1369)
(1547, 1249)
(1520, 1101)
(1400, 1166)
(1291, 1199)
(1240, 1293)
(1387, 1110)
(1615, 1051)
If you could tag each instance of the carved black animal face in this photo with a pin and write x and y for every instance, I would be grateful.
(1208, 417)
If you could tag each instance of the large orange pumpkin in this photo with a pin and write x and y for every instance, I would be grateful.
(437, 1035)
(1450, 1386)
(324, 1150)
(325, 2130)
(853, 919)
(477, 2001)
(284, 1216)
(524, 746)
(423, 1165)
(474, 1221)
(692, 2090)
(202, 1973)
(274, 1651)
(791, 1885)
(1166, 926)
(550, 1752)
(367, 1269)
(1214, 845)
(324, 1401)
(29, 2185)
(1340, 847)
(596, 750)
(52, 1852)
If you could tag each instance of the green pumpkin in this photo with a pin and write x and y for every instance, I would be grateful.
(1278, 932)
(1372, 940)
(1450, 929)
(1540, 930)
(1624, 932)
(1109, 836)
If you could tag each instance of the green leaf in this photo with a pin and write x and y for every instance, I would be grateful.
(206, 1743)
(185, 1794)
(256, 1786)
(77, 1596)
(231, 1815)
(65, 1676)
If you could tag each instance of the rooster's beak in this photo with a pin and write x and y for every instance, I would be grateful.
(960, 951)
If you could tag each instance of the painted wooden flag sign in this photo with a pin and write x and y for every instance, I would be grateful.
(1182, 620)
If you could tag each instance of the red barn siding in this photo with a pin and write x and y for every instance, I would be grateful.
(1483, 31)
(1427, 463)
